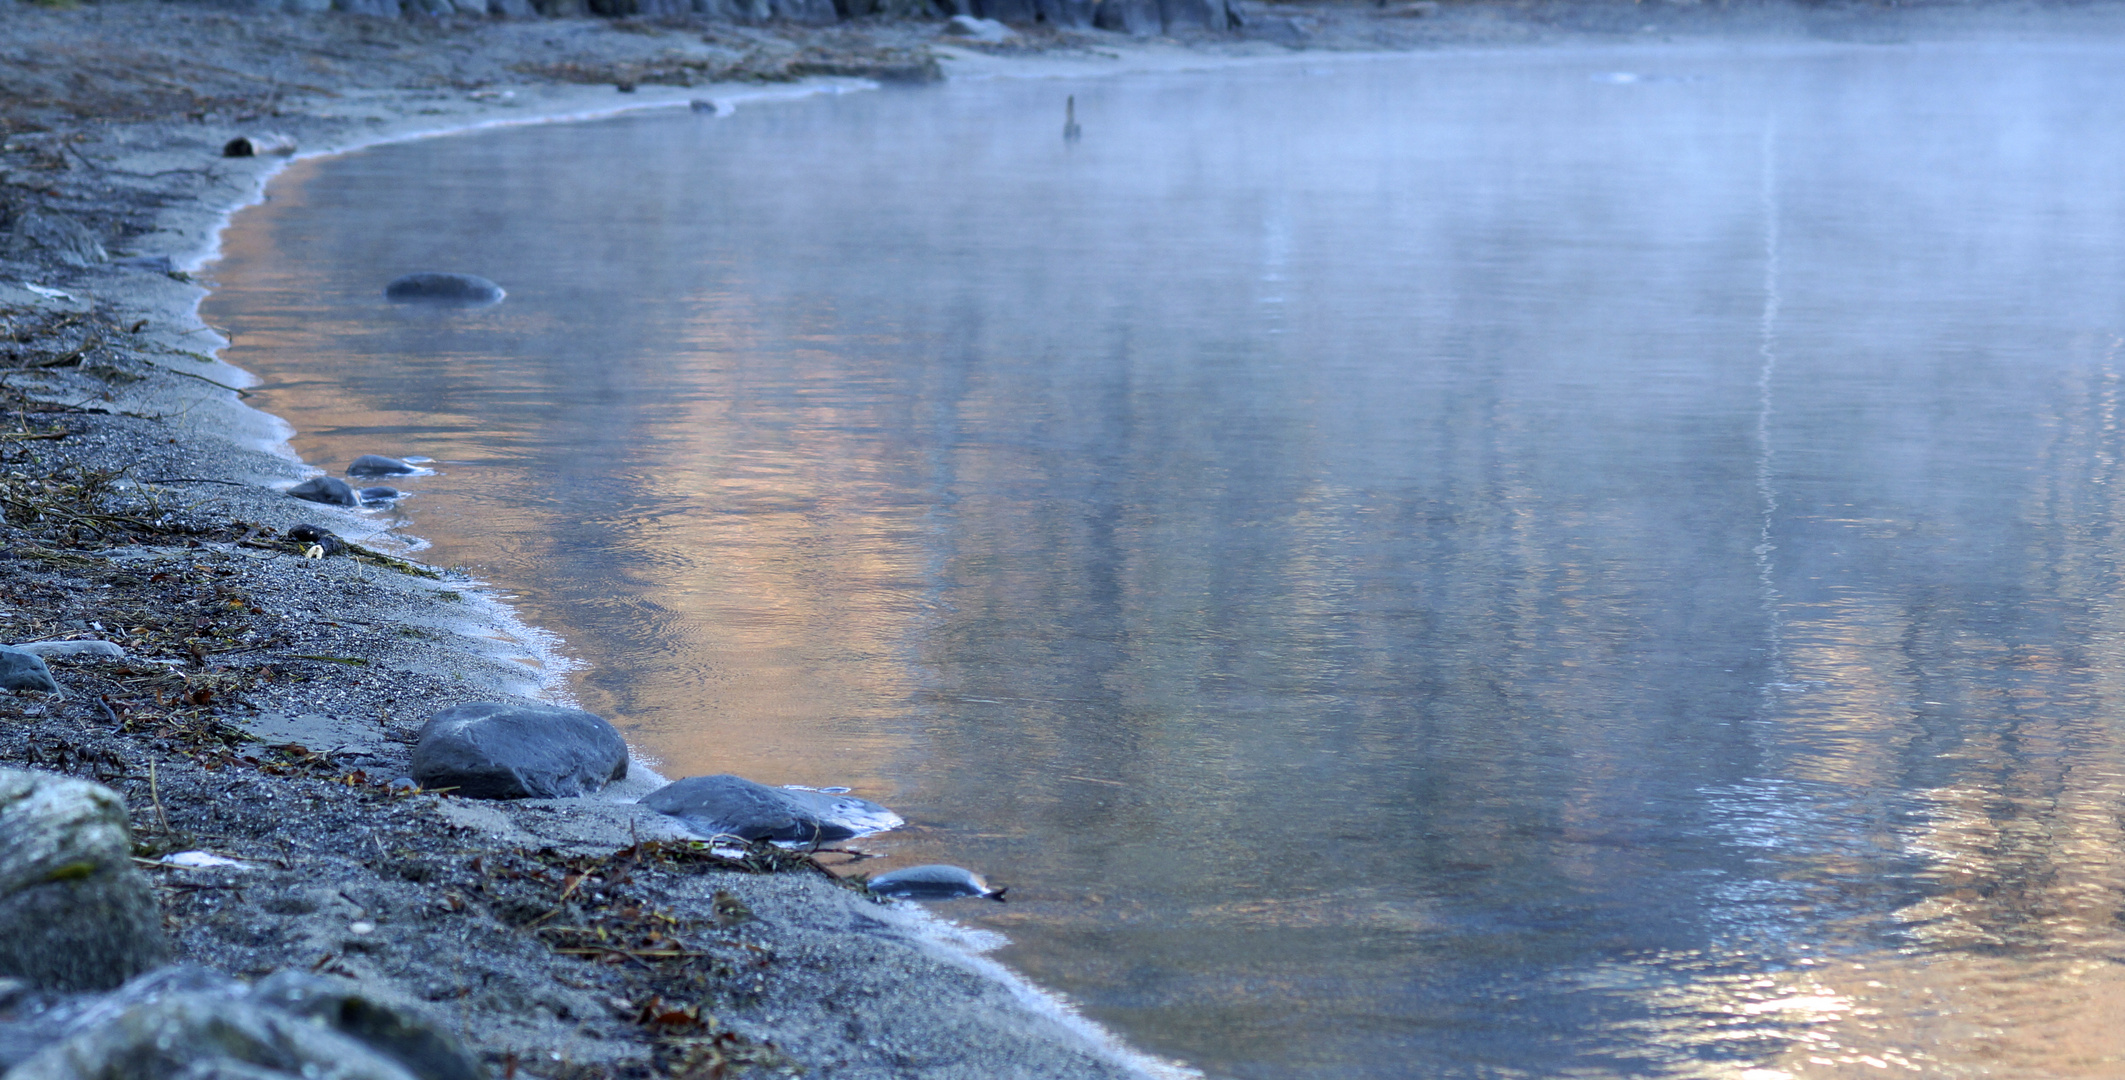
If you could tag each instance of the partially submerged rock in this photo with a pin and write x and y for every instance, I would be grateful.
(75, 914)
(379, 465)
(726, 805)
(329, 490)
(24, 670)
(449, 290)
(489, 750)
(934, 882)
(380, 495)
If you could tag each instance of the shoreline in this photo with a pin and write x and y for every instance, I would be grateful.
(267, 700)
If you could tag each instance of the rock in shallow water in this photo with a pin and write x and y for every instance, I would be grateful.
(934, 882)
(379, 465)
(489, 750)
(74, 912)
(726, 805)
(380, 496)
(23, 669)
(449, 290)
(328, 490)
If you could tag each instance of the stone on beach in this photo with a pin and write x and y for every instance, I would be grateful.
(318, 535)
(379, 465)
(380, 496)
(458, 290)
(75, 914)
(726, 805)
(209, 1035)
(108, 649)
(23, 670)
(934, 882)
(395, 1029)
(490, 750)
(328, 490)
(57, 235)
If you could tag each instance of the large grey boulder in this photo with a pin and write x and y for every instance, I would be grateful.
(489, 750)
(75, 914)
(63, 238)
(23, 670)
(726, 805)
(201, 1036)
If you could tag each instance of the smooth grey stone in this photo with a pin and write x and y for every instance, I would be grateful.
(385, 9)
(392, 1028)
(75, 914)
(934, 882)
(379, 465)
(200, 1036)
(329, 490)
(380, 496)
(72, 648)
(461, 290)
(489, 750)
(22, 670)
(56, 234)
(726, 805)
(1137, 17)
(512, 9)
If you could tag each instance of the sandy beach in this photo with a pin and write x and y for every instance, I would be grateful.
(267, 700)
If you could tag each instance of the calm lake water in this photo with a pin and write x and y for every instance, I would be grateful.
(1560, 563)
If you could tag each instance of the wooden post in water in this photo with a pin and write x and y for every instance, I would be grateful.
(1070, 131)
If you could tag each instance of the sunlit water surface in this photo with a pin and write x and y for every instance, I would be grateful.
(1551, 564)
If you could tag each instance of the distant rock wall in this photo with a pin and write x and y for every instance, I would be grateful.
(1139, 17)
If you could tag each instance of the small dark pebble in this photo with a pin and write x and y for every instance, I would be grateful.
(326, 489)
(450, 290)
(379, 465)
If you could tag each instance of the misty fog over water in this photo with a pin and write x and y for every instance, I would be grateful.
(1562, 562)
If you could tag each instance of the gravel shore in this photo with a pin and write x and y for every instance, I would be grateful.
(267, 700)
